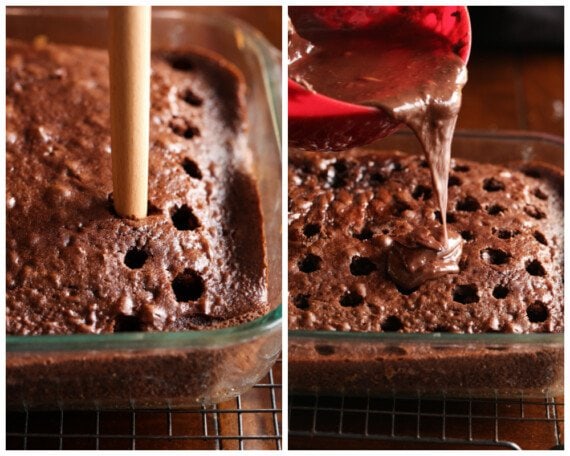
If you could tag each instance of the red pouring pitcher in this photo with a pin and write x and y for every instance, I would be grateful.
(317, 122)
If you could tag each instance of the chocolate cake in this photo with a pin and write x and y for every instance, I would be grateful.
(344, 211)
(345, 208)
(73, 266)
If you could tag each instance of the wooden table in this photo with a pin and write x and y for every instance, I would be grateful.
(266, 19)
(514, 92)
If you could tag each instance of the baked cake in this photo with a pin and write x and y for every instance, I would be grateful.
(343, 205)
(73, 266)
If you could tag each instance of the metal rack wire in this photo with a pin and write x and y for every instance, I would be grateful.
(404, 422)
(250, 421)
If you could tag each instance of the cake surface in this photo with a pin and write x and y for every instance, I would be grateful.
(197, 261)
(343, 205)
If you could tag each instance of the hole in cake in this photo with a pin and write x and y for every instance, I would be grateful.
(351, 299)
(496, 209)
(183, 128)
(422, 192)
(190, 132)
(468, 204)
(361, 266)
(493, 185)
(364, 235)
(311, 229)
(135, 258)
(461, 168)
(537, 312)
(506, 234)
(500, 292)
(391, 324)
(325, 350)
(188, 96)
(151, 209)
(305, 168)
(340, 166)
(396, 166)
(466, 294)
(181, 63)
(437, 216)
(127, 323)
(188, 286)
(405, 291)
(400, 207)
(450, 217)
(454, 181)
(540, 237)
(535, 268)
(495, 256)
(302, 301)
(337, 177)
(310, 263)
(191, 168)
(377, 179)
(540, 194)
(184, 219)
(111, 205)
(532, 172)
(467, 235)
(424, 164)
(534, 212)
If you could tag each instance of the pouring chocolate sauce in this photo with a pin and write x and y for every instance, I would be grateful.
(415, 76)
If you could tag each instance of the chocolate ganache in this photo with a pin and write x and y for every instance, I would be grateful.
(413, 75)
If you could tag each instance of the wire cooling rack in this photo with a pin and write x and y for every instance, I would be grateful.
(423, 423)
(250, 421)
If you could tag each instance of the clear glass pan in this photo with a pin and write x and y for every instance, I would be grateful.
(434, 364)
(177, 369)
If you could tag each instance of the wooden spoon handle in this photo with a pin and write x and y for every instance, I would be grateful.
(129, 72)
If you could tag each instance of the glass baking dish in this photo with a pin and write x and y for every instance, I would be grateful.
(176, 369)
(460, 365)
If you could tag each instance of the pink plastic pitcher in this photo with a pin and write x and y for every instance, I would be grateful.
(317, 122)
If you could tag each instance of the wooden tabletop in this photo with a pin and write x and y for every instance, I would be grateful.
(513, 91)
(266, 19)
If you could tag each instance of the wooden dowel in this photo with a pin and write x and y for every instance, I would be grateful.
(129, 72)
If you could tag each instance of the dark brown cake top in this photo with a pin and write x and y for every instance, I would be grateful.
(344, 208)
(197, 261)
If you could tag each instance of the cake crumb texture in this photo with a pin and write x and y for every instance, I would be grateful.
(343, 207)
(73, 265)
